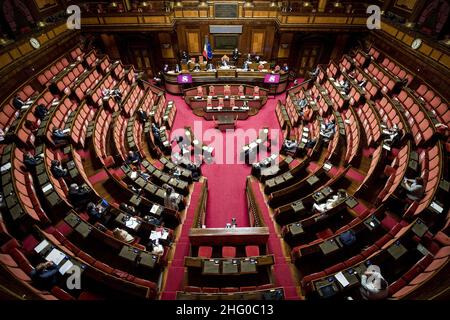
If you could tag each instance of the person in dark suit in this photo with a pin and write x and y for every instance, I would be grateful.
(142, 115)
(57, 170)
(17, 102)
(59, 136)
(79, 196)
(31, 161)
(40, 112)
(133, 158)
(45, 275)
(32, 126)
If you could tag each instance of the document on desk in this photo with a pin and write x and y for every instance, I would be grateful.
(46, 188)
(56, 256)
(436, 207)
(341, 278)
(154, 209)
(155, 235)
(41, 246)
(65, 267)
(132, 223)
(5, 167)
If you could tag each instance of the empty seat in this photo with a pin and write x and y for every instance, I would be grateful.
(252, 251)
(228, 252)
(205, 252)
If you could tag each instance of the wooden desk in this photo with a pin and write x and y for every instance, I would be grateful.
(129, 253)
(248, 266)
(211, 267)
(83, 229)
(230, 267)
(296, 229)
(419, 228)
(397, 250)
(147, 259)
(225, 122)
(329, 246)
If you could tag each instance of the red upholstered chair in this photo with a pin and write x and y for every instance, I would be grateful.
(210, 290)
(192, 289)
(205, 252)
(228, 252)
(252, 251)
(229, 290)
(248, 288)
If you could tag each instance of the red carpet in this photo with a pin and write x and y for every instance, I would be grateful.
(98, 177)
(226, 182)
(355, 175)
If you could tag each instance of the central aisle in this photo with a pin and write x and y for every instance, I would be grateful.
(226, 182)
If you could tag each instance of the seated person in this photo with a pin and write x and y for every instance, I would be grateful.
(290, 146)
(30, 160)
(302, 103)
(2, 135)
(122, 235)
(211, 67)
(235, 54)
(373, 285)
(441, 128)
(314, 73)
(117, 95)
(133, 158)
(327, 130)
(32, 126)
(157, 248)
(277, 69)
(257, 59)
(17, 102)
(362, 83)
(45, 275)
(79, 196)
(249, 58)
(177, 68)
(196, 67)
(172, 199)
(285, 67)
(94, 211)
(260, 66)
(414, 188)
(392, 135)
(166, 68)
(40, 112)
(59, 136)
(142, 115)
(225, 61)
(245, 66)
(310, 144)
(156, 133)
(331, 202)
(57, 170)
(344, 85)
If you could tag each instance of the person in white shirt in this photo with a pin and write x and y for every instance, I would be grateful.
(373, 285)
(414, 188)
(122, 235)
(2, 135)
(331, 202)
(172, 199)
(157, 249)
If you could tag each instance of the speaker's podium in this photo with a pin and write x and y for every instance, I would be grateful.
(226, 73)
